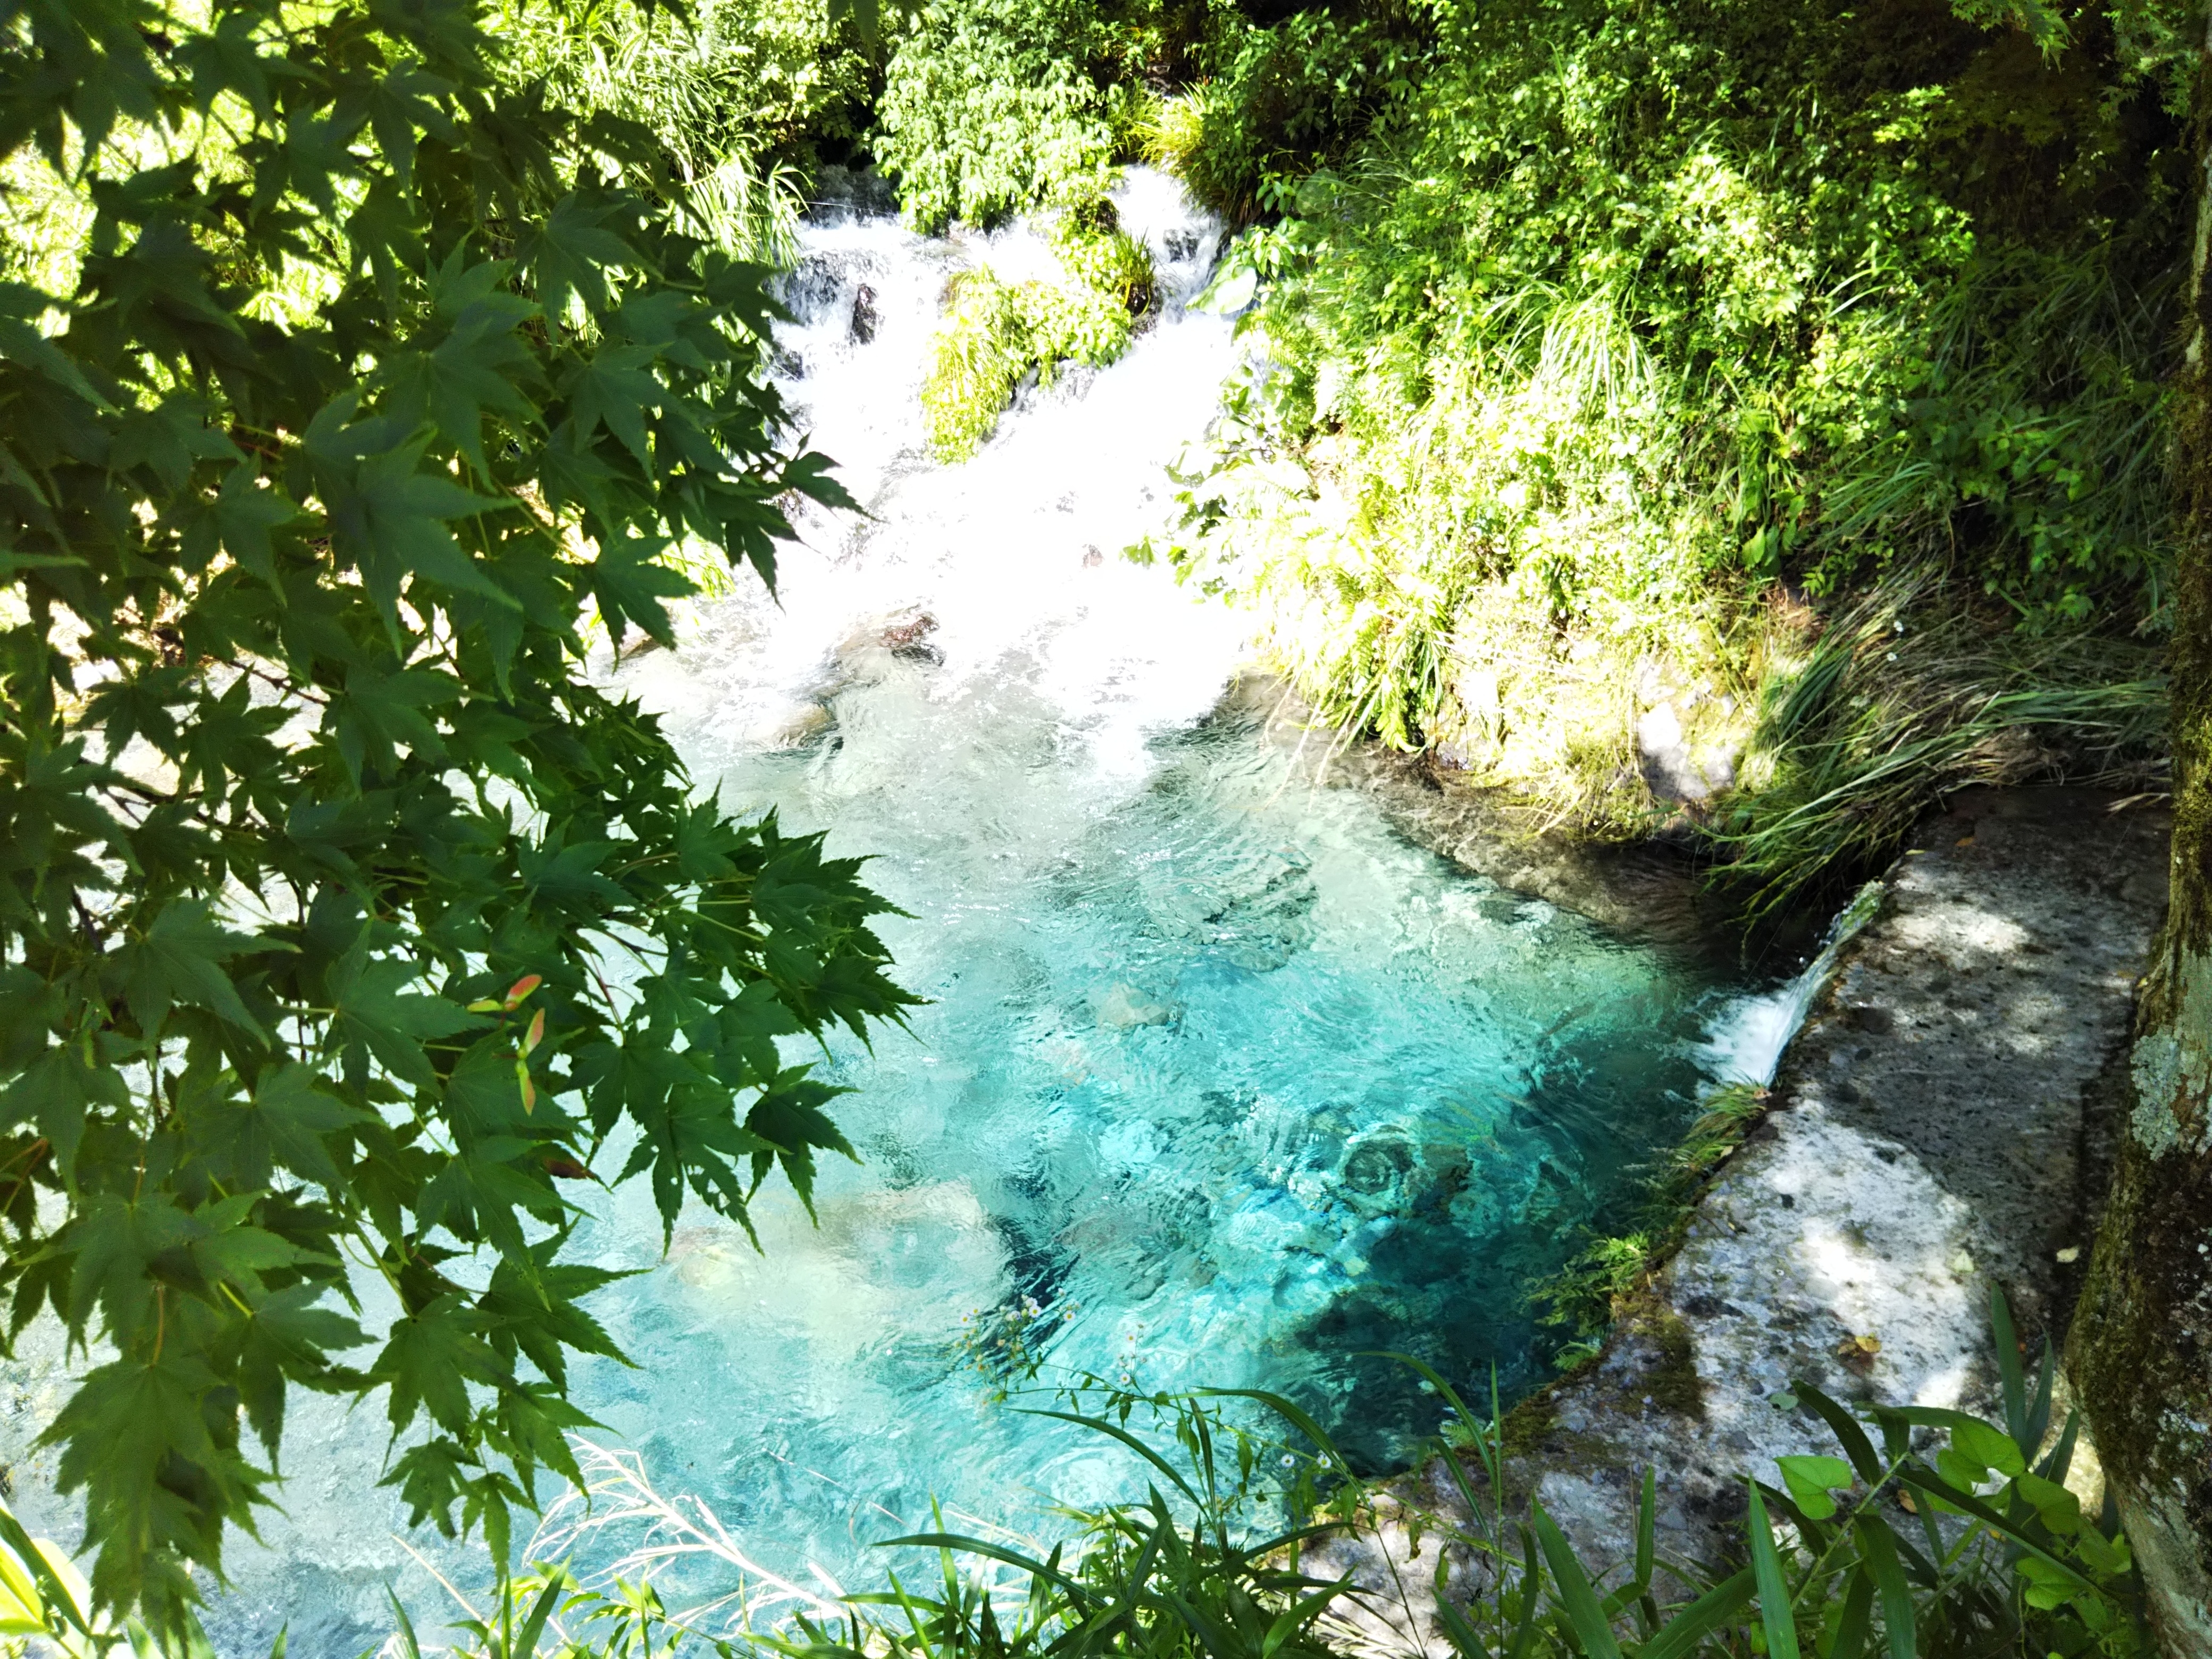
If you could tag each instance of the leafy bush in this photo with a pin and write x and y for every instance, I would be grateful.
(1621, 318)
(996, 332)
(988, 106)
(1279, 101)
(368, 377)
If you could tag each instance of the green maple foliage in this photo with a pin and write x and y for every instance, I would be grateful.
(371, 375)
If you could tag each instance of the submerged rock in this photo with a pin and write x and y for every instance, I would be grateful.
(1124, 1006)
(794, 727)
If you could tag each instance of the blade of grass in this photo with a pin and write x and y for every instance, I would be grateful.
(1776, 1615)
(1878, 1550)
(1577, 1596)
(1681, 1635)
(1856, 1619)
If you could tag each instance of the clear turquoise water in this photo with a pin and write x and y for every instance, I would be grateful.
(1222, 1077)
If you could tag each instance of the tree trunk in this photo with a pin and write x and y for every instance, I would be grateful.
(2141, 1351)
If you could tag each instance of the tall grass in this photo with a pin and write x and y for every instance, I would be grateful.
(1910, 693)
(715, 84)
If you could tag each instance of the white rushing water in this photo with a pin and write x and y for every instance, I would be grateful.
(1221, 1081)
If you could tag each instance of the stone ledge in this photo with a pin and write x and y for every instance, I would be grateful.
(1931, 1132)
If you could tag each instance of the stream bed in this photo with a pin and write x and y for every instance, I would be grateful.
(1220, 1081)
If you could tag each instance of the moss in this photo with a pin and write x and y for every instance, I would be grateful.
(1671, 1377)
(1609, 1282)
(1530, 1423)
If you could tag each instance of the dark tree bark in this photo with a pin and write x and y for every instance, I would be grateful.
(2141, 1351)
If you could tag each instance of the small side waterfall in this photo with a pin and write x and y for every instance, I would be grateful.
(1749, 1039)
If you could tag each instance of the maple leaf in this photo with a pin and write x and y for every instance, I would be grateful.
(133, 1433)
(388, 513)
(286, 1122)
(289, 1332)
(532, 1305)
(179, 959)
(789, 1119)
(377, 1008)
(428, 1358)
(115, 1242)
(572, 252)
(632, 586)
(242, 520)
(614, 387)
(474, 362)
(54, 1092)
(379, 712)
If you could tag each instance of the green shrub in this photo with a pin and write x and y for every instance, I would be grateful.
(1937, 1532)
(1907, 689)
(978, 357)
(987, 105)
(995, 332)
(1277, 102)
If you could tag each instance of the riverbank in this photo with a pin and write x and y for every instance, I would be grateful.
(1649, 890)
(1941, 1123)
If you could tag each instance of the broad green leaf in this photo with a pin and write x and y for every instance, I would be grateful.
(287, 1121)
(1809, 1479)
(54, 1093)
(1878, 1550)
(289, 1333)
(1987, 1448)
(572, 253)
(614, 387)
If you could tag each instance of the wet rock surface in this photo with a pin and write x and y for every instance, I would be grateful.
(1939, 1124)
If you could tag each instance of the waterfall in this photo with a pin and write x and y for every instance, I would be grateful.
(1749, 1037)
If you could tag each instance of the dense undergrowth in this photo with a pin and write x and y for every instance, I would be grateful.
(1936, 1533)
(1630, 347)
